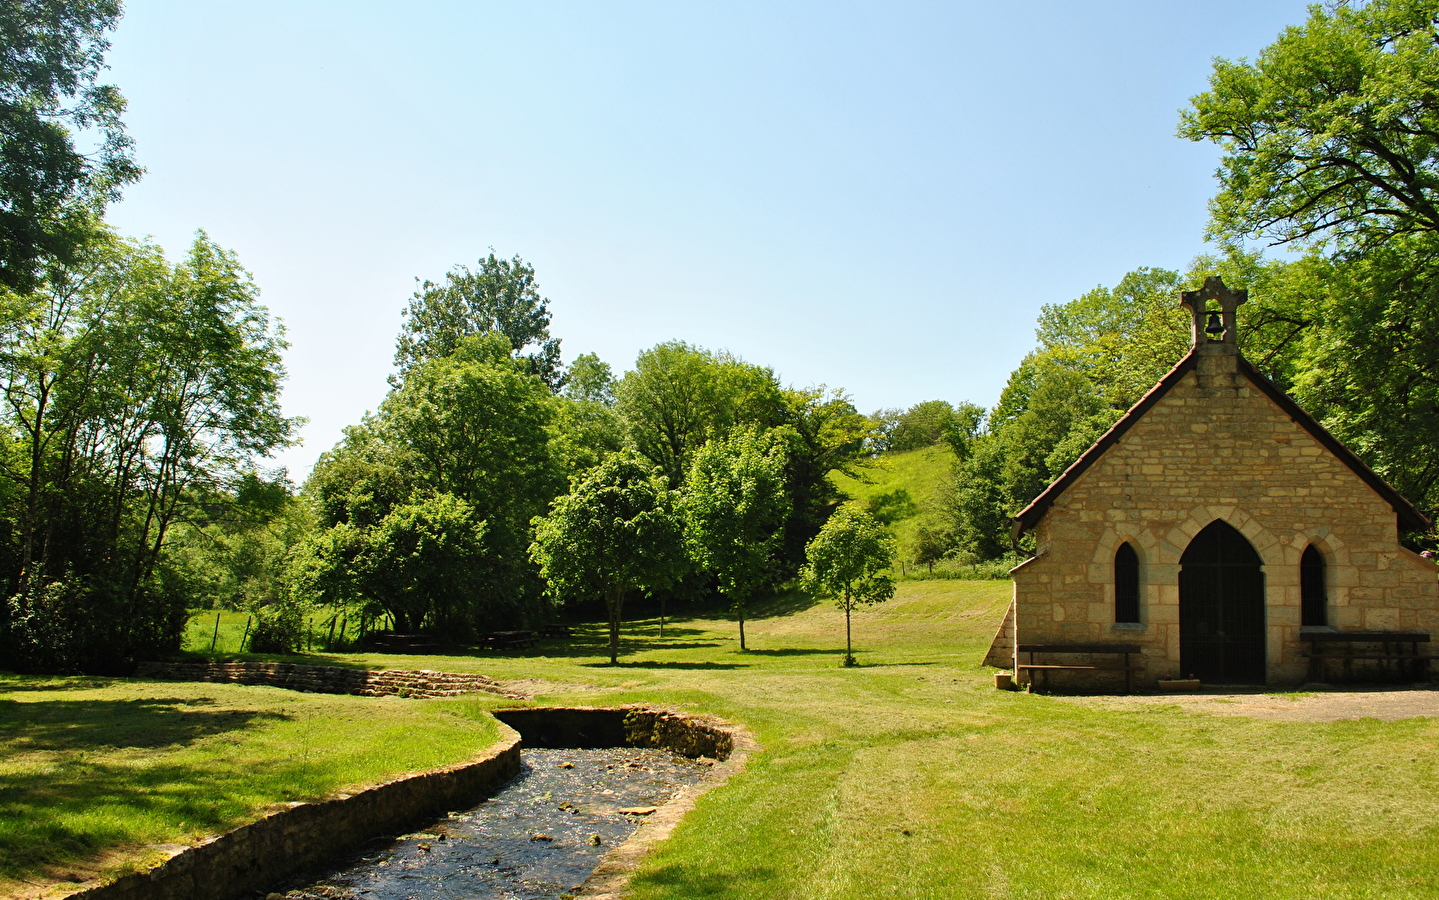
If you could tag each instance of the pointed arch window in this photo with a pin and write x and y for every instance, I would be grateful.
(1126, 584)
(1312, 593)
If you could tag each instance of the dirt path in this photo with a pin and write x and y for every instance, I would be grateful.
(1376, 702)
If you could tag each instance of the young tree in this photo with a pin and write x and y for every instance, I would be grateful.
(501, 298)
(735, 509)
(615, 532)
(51, 55)
(847, 562)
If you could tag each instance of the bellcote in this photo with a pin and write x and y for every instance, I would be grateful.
(1215, 323)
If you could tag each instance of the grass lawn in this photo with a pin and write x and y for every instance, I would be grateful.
(200, 631)
(910, 776)
(91, 768)
(913, 482)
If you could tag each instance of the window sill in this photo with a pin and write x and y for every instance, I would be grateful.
(1128, 626)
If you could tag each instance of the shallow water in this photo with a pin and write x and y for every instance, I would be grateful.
(540, 836)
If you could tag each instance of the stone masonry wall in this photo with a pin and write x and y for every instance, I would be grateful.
(327, 679)
(255, 856)
(1215, 447)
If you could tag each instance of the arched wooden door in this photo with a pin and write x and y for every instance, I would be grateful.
(1221, 608)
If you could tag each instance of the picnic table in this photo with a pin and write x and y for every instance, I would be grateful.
(508, 640)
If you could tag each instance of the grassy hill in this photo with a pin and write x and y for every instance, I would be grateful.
(906, 486)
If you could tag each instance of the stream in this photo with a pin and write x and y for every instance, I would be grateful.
(540, 836)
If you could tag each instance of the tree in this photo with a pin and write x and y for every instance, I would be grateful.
(51, 192)
(590, 380)
(587, 426)
(847, 562)
(501, 298)
(735, 509)
(421, 564)
(1330, 142)
(823, 433)
(479, 428)
(1331, 134)
(129, 386)
(615, 532)
(679, 396)
(449, 474)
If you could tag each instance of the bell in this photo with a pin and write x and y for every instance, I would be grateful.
(1215, 328)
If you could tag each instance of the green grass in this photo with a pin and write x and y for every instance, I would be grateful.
(921, 476)
(92, 768)
(911, 777)
(200, 630)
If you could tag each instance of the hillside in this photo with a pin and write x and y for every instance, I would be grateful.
(902, 488)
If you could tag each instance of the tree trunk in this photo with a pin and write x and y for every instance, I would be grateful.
(741, 629)
(662, 615)
(615, 603)
(848, 646)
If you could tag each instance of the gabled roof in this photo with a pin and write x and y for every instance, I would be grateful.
(1410, 518)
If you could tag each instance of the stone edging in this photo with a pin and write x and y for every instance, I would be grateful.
(611, 878)
(255, 856)
(422, 683)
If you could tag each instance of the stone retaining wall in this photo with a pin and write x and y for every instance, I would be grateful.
(253, 857)
(625, 726)
(327, 679)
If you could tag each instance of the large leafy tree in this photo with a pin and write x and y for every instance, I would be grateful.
(1332, 134)
(500, 297)
(1330, 142)
(452, 469)
(617, 531)
(735, 510)
(129, 385)
(679, 396)
(51, 190)
(823, 433)
(848, 562)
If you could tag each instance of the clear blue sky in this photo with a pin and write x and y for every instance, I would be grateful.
(878, 197)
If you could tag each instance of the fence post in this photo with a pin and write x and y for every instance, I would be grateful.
(216, 636)
(244, 637)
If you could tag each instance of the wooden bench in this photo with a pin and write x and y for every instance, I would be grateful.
(1124, 650)
(390, 642)
(1393, 648)
(508, 640)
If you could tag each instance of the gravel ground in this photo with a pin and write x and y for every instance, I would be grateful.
(1310, 703)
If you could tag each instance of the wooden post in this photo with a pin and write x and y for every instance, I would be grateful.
(216, 636)
(246, 635)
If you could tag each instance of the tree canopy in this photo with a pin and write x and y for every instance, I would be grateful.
(735, 508)
(848, 562)
(616, 531)
(51, 191)
(499, 297)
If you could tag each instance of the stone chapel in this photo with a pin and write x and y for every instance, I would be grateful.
(1217, 531)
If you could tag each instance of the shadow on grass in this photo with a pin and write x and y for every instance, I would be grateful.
(783, 605)
(17, 684)
(690, 883)
(792, 652)
(653, 664)
(149, 723)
